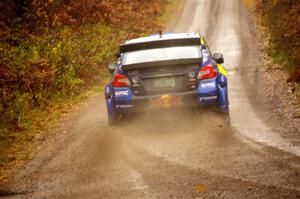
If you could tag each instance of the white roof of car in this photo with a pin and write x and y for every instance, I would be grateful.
(165, 36)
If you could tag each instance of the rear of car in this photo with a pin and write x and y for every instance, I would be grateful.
(166, 71)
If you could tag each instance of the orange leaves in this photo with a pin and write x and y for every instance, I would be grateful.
(48, 14)
(282, 19)
(37, 66)
(41, 12)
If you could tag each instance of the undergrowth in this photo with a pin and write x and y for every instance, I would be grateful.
(280, 21)
(52, 52)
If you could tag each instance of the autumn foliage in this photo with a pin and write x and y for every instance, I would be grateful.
(283, 21)
(52, 49)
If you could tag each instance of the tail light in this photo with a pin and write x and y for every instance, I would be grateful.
(207, 72)
(120, 80)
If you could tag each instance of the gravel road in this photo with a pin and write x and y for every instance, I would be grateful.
(173, 153)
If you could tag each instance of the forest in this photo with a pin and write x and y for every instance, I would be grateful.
(53, 50)
(281, 22)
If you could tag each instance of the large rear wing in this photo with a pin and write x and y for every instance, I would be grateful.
(171, 62)
(161, 43)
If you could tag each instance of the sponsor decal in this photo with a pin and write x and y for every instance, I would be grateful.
(208, 85)
(124, 106)
(121, 93)
(208, 98)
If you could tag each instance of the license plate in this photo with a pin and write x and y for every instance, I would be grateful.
(166, 82)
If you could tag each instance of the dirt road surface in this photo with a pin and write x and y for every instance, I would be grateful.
(173, 153)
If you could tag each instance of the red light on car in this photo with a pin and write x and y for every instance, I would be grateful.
(120, 80)
(207, 72)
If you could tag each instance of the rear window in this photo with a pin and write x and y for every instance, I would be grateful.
(161, 54)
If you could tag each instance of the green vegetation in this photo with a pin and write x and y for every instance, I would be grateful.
(52, 51)
(281, 20)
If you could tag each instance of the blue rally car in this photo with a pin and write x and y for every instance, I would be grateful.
(166, 70)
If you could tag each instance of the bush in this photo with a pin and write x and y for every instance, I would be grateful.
(282, 19)
(53, 50)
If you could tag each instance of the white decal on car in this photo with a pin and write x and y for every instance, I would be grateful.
(124, 106)
(208, 85)
(121, 93)
(208, 98)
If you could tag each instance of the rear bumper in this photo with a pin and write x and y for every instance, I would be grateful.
(208, 92)
(149, 97)
(185, 99)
